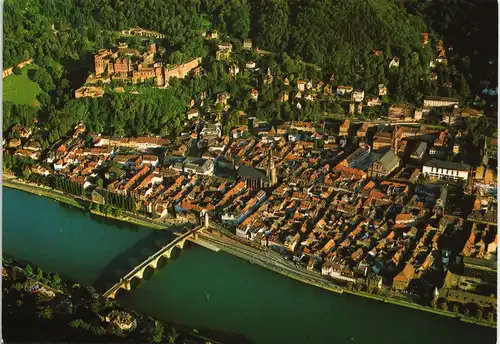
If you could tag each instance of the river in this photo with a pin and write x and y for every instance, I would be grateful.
(205, 289)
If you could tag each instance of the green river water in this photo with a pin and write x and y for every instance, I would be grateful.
(208, 290)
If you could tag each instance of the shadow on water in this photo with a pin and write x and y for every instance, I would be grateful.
(124, 262)
(114, 222)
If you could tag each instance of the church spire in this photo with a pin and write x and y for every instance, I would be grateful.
(271, 168)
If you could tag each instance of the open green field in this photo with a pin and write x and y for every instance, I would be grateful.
(19, 89)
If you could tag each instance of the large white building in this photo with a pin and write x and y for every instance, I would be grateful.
(446, 170)
(440, 101)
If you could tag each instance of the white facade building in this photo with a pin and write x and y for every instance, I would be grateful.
(446, 169)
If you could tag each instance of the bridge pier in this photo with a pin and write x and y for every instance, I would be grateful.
(168, 253)
(154, 263)
(140, 273)
(180, 244)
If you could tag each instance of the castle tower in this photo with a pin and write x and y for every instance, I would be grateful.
(99, 64)
(271, 169)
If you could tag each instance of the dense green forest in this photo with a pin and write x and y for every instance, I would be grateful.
(333, 36)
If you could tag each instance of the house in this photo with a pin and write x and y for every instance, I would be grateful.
(362, 131)
(425, 38)
(404, 219)
(399, 111)
(343, 90)
(394, 62)
(14, 143)
(21, 131)
(301, 85)
(60, 165)
(122, 319)
(33, 145)
(441, 53)
(418, 114)
(383, 167)
(234, 70)
(27, 154)
(357, 157)
(440, 102)
(254, 94)
(222, 98)
(212, 35)
(250, 65)
(403, 279)
(198, 166)
(211, 129)
(374, 101)
(382, 90)
(283, 96)
(268, 79)
(193, 113)
(99, 195)
(149, 159)
(224, 51)
(446, 170)
(480, 268)
(358, 96)
(419, 152)
(382, 140)
(247, 44)
(344, 128)
(114, 173)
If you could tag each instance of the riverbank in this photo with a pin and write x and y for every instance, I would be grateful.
(266, 260)
(71, 303)
(70, 200)
(41, 191)
(274, 262)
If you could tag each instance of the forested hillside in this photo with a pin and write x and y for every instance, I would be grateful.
(338, 36)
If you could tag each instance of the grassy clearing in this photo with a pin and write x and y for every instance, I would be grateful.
(19, 89)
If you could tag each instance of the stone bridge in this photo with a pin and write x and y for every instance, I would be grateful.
(152, 261)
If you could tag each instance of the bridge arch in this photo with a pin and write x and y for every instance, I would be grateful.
(152, 261)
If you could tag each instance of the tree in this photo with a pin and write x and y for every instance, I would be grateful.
(467, 312)
(16, 70)
(444, 306)
(98, 330)
(173, 336)
(434, 304)
(45, 312)
(479, 313)
(56, 280)
(119, 212)
(100, 183)
(76, 323)
(490, 316)
(156, 332)
(455, 308)
(28, 270)
(39, 274)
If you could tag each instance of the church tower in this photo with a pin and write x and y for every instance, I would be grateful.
(271, 169)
